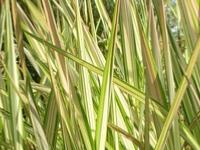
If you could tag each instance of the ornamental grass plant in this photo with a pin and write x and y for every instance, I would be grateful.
(100, 74)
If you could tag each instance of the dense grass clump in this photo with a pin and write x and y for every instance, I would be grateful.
(99, 74)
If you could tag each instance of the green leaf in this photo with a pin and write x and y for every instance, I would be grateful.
(14, 101)
(106, 89)
(178, 96)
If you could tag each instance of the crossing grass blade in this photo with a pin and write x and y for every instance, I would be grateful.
(40, 136)
(179, 95)
(123, 86)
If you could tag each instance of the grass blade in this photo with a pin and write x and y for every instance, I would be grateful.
(103, 109)
(178, 96)
(15, 104)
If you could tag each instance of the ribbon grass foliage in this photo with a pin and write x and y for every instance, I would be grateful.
(95, 74)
